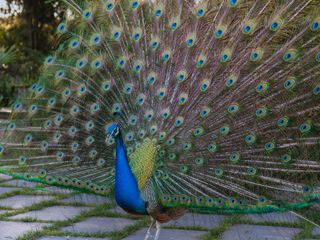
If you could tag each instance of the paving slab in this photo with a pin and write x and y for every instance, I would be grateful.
(13, 230)
(55, 189)
(285, 217)
(316, 232)
(4, 211)
(69, 238)
(22, 183)
(118, 210)
(194, 219)
(99, 225)
(5, 177)
(85, 198)
(55, 213)
(168, 234)
(4, 190)
(21, 201)
(256, 232)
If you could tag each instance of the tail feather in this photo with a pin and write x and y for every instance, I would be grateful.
(228, 90)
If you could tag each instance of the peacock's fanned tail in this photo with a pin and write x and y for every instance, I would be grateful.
(228, 91)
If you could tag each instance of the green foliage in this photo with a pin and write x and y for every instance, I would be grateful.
(27, 32)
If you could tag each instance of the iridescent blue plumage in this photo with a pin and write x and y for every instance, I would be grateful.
(127, 193)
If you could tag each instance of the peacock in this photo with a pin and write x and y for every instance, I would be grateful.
(173, 106)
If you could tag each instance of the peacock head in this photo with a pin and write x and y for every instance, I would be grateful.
(114, 130)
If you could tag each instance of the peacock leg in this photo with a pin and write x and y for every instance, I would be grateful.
(158, 226)
(149, 229)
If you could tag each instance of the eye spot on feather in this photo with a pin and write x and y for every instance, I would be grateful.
(234, 157)
(234, 108)
(212, 148)
(307, 189)
(140, 99)
(62, 27)
(137, 67)
(179, 121)
(94, 108)
(11, 126)
(286, 158)
(81, 63)
(72, 131)
(153, 129)
(181, 76)
(116, 108)
(174, 23)
(22, 160)
(315, 25)
(134, 5)
(290, 84)
(262, 200)
(97, 64)
(317, 57)
(106, 86)
(204, 85)
(158, 12)
(44, 146)
(47, 124)
(165, 113)
(283, 122)
(27, 140)
(170, 142)
(198, 132)
(305, 127)
(276, 25)
(49, 60)
(149, 115)
(184, 169)
(166, 55)
(262, 87)
(224, 130)
(256, 55)
(270, 147)
(290, 56)
(127, 88)
(218, 172)
(190, 40)
(261, 112)
(205, 112)
(89, 126)
(251, 171)
(199, 161)
(60, 156)
(74, 146)
(183, 97)
(154, 43)
(172, 156)
(109, 5)
(87, 15)
(162, 136)
(233, 3)
(186, 146)
(316, 90)
(251, 139)
(116, 33)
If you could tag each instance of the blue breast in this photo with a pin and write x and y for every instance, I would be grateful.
(126, 186)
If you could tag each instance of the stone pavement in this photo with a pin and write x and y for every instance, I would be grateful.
(29, 211)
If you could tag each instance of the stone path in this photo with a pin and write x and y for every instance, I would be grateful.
(254, 232)
(68, 215)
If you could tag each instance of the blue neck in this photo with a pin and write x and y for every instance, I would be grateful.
(126, 186)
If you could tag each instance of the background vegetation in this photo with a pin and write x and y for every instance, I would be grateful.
(27, 30)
